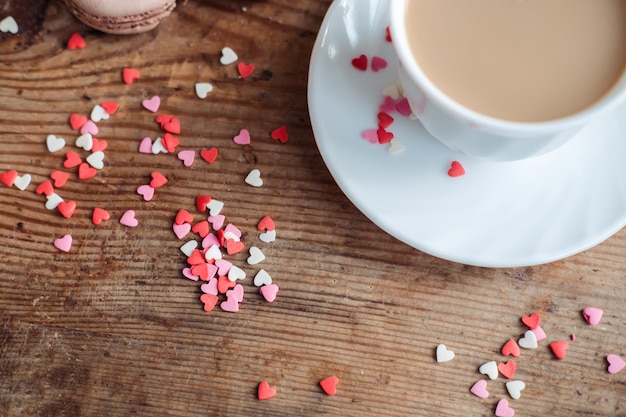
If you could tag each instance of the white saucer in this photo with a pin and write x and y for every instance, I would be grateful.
(496, 215)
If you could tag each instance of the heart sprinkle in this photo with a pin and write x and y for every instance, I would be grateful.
(245, 70)
(77, 121)
(479, 389)
(254, 178)
(228, 56)
(9, 25)
(59, 178)
(443, 354)
(532, 321)
(256, 256)
(280, 134)
(146, 191)
(209, 155)
(266, 223)
(22, 182)
(456, 169)
(86, 172)
(269, 292)
(515, 388)
(203, 90)
(528, 341)
(616, 364)
(243, 138)
(152, 104)
(508, 369)
(128, 219)
(158, 179)
(490, 369)
(559, 348)
(66, 208)
(510, 348)
(592, 315)
(45, 188)
(64, 243)
(360, 63)
(265, 392)
(129, 75)
(329, 385)
(76, 42)
(378, 63)
(503, 409)
(54, 144)
(99, 215)
(187, 157)
(209, 301)
(8, 178)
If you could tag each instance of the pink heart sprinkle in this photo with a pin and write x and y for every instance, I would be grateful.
(388, 105)
(146, 191)
(209, 241)
(378, 63)
(503, 409)
(145, 146)
(187, 157)
(370, 135)
(243, 138)
(152, 104)
(181, 230)
(128, 219)
(217, 221)
(592, 315)
(187, 274)
(236, 292)
(269, 292)
(223, 266)
(479, 389)
(210, 287)
(404, 108)
(89, 127)
(232, 229)
(230, 305)
(539, 333)
(616, 364)
(63, 243)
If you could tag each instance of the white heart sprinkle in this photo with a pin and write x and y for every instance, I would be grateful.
(203, 89)
(96, 160)
(515, 389)
(215, 207)
(8, 24)
(262, 278)
(98, 113)
(52, 201)
(231, 235)
(395, 147)
(84, 141)
(256, 256)
(55, 144)
(235, 273)
(268, 237)
(189, 247)
(213, 253)
(228, 56)
(443, 354)
(392, 91)
(490, 369)
(254, 178)
(157, 146)
(22, 182)
(529, 341)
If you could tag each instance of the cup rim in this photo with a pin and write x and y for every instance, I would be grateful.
(400, 43)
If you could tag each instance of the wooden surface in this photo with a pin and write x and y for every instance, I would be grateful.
(113, 329)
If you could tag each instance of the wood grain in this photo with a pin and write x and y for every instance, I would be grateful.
(113, 329)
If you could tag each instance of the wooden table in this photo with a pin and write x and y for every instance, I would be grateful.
(112, 328)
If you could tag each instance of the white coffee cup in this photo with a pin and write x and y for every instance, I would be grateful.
(475, 134)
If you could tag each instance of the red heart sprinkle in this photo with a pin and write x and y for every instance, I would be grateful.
(45, 188)
(72, 160)
(209, 155)
(329, 385)
(172, 126)
(158, 179)
(163, 118)
(360, 63)
(59, 178)
(202, 201)
(244, 70)
(232, 246)
(511, 348)
(201, 228)
(76, 42)
(66, 208)
(266, 223)
(456, 169)
(507, 369)
(224, 284)
(280, 134)
(209, 301)
(170, 142)
(384, 120)
(183, 216)
(129, 75)
(98, 144)
(77, 121)
(110, 107)
(532, 321)
(99, 215)
(201, 271)
(196, 258)
(8, 178)
(559, 348)
(383, 136)
(265, 392)
(85, 171)
(388, 34)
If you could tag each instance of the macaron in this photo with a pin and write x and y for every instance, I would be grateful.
(121, 16)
